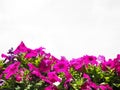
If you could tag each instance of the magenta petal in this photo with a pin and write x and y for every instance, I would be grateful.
(87, 77)
(61, 65)
(30, 53)
(45, 65)
(11, 69)
(20, 48)
(53, 77)
(105, 87)
(4, 56)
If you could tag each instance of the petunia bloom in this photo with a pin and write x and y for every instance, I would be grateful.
(61, 65)
(4, 56)
(89, 86)
(117, 64)
(110, 63)
(20, 49)
(30, 53)
(105, 87)
(35, 71)
(101, 59)
(40, 51)
(45, 65)
(77, 64)
(89, 60)
(19, 76)
(11, 69)
(52, 76)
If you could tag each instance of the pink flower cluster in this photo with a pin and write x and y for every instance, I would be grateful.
(75, 74)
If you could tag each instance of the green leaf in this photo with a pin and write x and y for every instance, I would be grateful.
(116, 85)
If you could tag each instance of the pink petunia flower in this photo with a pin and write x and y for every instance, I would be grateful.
(47, 56)
(20, 74)
(89, 86)
(45, 65)
(4, 56)
(54, 59)
(105, 87)
(18, 78)
(21, 48)
(61, 65)
(11, 69)
(117, 64)
(35, 71)
(89, 60)
(34, 53)
(77, 63)
(101, 59)
(106, 64)
(30, 53)
(53, 77)
(40, 51)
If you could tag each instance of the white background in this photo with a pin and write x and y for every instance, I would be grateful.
(64, 27)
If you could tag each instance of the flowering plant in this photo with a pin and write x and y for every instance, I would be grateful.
(34, 69)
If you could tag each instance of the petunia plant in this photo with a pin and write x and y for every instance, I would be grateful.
(34, 69)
